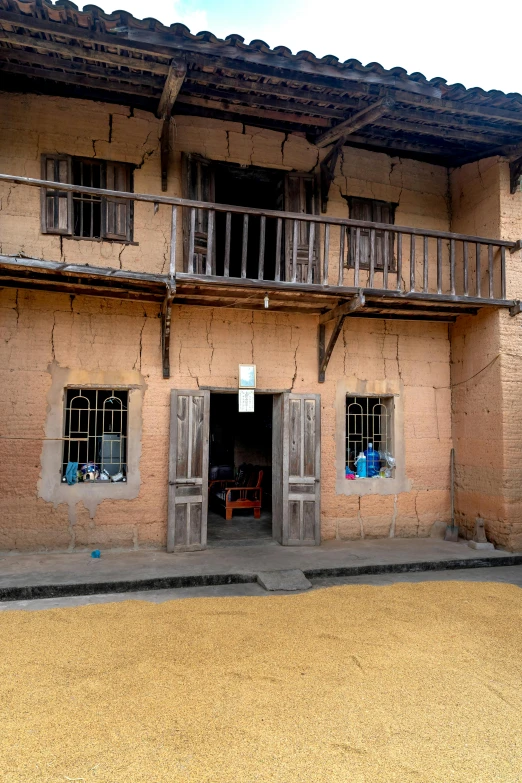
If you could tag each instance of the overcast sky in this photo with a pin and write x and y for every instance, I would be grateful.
(475, 43)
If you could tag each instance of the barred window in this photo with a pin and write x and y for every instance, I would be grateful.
(369, 425)
(80, 214)
(95, 435)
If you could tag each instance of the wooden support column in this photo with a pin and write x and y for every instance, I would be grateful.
(327, 170)
(340, 313)
(171, 88)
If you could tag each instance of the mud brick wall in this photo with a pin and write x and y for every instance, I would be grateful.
(46, 337)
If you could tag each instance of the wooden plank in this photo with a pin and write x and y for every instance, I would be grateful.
(490, 271)
(478, 271)
(228, 223)
(294, 250)
(386, 259)
(502, 272)
(192, 232)
(236, 108)
(452, 266)
(91, 55)
(425, 265)
(209, 265)
(358, 120)
(173, 237)
(342, 235)
(262, 233)
(173, 83)
(412, 263)
(439, 265)
(465, 262)
(311, 246)
(326, 254)
(279, 236)
(442, 130)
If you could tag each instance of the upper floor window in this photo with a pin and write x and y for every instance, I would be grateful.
(82, 215)
(375, 212)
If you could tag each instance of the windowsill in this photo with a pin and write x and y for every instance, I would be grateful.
(100, 239)
(371, 486)
(96, 481)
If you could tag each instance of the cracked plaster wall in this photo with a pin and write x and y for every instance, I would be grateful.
(486, 367)
(101, 335)
(40, 331)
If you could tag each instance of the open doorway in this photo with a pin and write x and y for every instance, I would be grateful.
(240, 471)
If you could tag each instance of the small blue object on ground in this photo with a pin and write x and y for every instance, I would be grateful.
(96, 553)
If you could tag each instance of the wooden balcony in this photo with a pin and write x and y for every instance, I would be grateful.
(228, 256)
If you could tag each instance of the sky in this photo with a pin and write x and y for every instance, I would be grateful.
(476, 44)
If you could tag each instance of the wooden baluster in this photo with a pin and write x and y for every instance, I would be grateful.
(311, 242)
(372, 258)
(191, 241)
(502, 272)
(412, 262)
(452, 267)
(262, 231)
(490, 271)
(228, 225)
(425, 266)
(465, 260)
(439, 265)
(210, 243)
(399, 262)
(326, 253)
(357, 256)
(341, 255)
(173, 237)
(279, 234)
(478, 269)
(245, 247)
(386, 259)
(294, 250)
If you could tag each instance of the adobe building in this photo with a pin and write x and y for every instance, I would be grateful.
(173, 206)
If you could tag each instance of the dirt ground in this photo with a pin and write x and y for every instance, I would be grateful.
(409, 682)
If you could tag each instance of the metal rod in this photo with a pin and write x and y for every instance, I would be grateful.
(262, 231)
(244, 248)
(173, 234)
(294, 251)
(279, 235)
(341, 255)
(425, 265)
(439, 265)
(228, 222)
(311, 240)
(478, 282)
(412, 263)
(326, 253)
(191, 240)
(399, 262)
(465, 261)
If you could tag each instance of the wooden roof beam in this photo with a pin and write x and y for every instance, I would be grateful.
(171, 88)
(355, 122)
(235, 108)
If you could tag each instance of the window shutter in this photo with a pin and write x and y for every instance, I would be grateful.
(117, 213)
(376, 212)
(56, 205)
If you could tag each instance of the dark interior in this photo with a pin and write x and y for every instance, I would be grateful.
(239, 443)
(254, 187)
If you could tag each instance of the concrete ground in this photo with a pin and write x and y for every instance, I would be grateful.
(79, 572)
(507, 575)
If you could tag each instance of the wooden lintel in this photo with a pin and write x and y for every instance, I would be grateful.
(356, 121)
(171, 88)
(166, 320)
(165, 153)
(324, 353)
(515, 173)
(343, 309)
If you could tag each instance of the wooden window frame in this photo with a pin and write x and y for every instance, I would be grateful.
(374, 204)
(106, 235)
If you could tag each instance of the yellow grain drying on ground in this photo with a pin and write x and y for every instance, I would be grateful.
(361, 684)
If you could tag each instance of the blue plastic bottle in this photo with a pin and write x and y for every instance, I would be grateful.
(361, 466)
(373, 461)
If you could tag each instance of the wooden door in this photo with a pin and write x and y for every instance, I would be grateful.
(198, 177)
(297, 469)
(188, 470)
(301, 197)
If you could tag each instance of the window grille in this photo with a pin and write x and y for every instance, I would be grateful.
(82, 215)
(370, 420)
(95, 433)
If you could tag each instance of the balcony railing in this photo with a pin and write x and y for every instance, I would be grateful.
(240, 245)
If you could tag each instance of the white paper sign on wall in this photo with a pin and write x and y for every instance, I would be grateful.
(246, 400)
